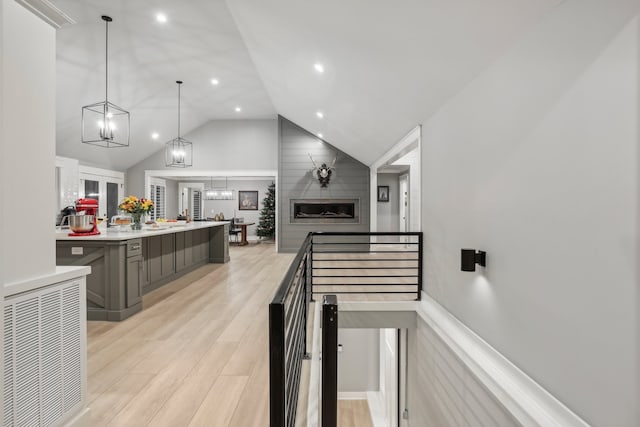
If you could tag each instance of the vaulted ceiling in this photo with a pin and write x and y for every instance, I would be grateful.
(388, 66)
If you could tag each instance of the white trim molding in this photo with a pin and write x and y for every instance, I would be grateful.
(352, 395)
(166, 173)
(48, 12)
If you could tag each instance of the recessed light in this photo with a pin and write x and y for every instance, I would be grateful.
(319, 67)
(215, 82)
(155, 135)
(319, 135)
(161, 17)
(238, 109)
(320, 114)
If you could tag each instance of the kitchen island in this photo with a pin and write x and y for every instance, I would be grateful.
(126, 264)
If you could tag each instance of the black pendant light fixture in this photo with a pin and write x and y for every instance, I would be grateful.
(105, 124)
(178, 153)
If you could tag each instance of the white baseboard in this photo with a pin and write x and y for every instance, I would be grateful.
(352, 395)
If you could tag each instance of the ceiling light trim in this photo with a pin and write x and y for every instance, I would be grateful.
(48, 12)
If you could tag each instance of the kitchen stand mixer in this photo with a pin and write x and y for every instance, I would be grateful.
(87, 226)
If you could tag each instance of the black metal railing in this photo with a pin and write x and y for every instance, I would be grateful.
(364, 266)
(329, 381)
(367, 266)
(288, 338)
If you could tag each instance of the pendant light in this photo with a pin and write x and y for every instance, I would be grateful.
(210, 193)
(213, 193)
(105, 124)
(178, 153)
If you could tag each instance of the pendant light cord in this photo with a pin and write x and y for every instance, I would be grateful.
(179, 84)
(106, 64)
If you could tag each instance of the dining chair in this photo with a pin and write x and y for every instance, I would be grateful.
(233, 230)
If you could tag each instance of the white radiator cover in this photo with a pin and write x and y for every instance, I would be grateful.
(45, 355)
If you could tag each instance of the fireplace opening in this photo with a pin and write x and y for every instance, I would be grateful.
(323, 211)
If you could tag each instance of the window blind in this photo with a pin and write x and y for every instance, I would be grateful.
(197, 205)
(158, 197)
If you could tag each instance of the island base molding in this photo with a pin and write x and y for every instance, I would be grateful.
(112, 315)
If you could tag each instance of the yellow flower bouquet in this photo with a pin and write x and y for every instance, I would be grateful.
(136, 207)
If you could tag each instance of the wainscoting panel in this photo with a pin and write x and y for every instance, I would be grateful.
(457, 379)
(444, 392)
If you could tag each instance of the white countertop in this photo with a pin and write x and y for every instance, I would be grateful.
(124, 233)
(61, 274)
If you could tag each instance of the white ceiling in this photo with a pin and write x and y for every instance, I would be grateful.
(389, 65)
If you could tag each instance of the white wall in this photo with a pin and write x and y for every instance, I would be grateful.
(219, 145)
(3, 191)
(172, 195)
(358, 363)
(69, 182)
(536, 162)
(28, 144)
(389, 212)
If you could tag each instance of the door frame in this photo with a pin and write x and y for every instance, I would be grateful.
(188, 186)
(409, 144)
(404, 200)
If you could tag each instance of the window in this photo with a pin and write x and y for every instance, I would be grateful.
(103, 185)
(158, 192)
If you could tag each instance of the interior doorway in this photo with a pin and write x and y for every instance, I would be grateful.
(190, 199)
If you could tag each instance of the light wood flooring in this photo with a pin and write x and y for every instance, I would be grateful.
(354, 413)
(197, 355)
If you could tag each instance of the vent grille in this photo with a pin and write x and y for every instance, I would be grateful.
(44, 361)
(9, 314)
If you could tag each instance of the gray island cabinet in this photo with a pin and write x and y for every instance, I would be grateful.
(127, 264)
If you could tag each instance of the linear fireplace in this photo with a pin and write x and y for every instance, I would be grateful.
(323, 211)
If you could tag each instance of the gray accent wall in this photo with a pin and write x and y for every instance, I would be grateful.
(349, 180)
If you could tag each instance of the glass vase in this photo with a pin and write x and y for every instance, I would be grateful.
(136, 223)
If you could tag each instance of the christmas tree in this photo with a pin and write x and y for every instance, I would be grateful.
(267, 224)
